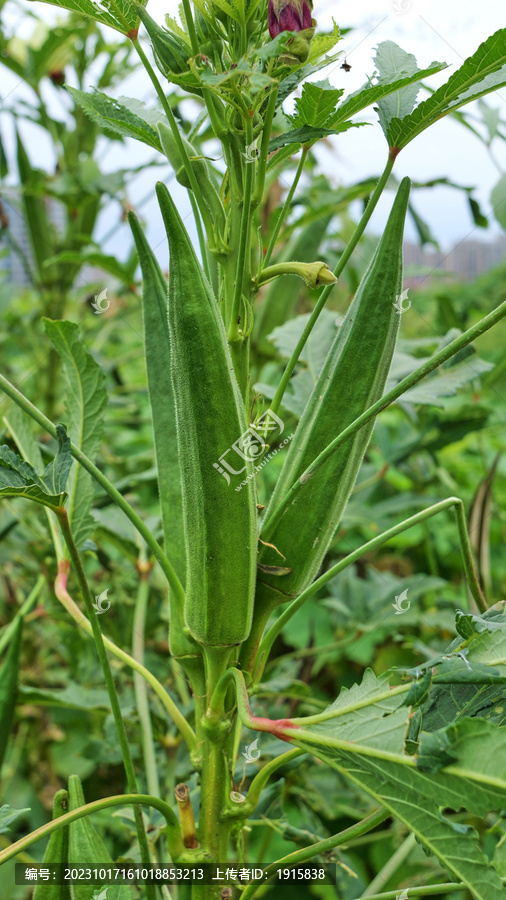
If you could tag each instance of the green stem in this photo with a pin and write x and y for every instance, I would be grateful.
(397, 859)
(241, 267)
(201, 236)
(467, 558)
(167, 701)
(357, 234)
(431, 890)
(306, 854)
(284, 211)
(177, 137)
(173, 831)
(104, 482)
(61, 514)
(22, 611)
(141, 693)
(264, 149)
(191, 28)
(260, 780)
(433, 363)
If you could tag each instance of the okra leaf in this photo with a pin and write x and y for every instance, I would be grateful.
(124, 18)
(85, 401)
(480, 74)
(498, 201)
(398, 79)
(8, 816)
(324, 42)
(19, 479)
(307, 134)
(446, 383)
(364, 740)
(8, 688)
(115, 116)
(391, 59)
(316, 105)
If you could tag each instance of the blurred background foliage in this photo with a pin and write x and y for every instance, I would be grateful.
(445, 438)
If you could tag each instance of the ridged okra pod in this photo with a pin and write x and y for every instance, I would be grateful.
(219, 521)
(353, 377)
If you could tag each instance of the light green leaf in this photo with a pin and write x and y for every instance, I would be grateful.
(116, 116)
(85, 401)
(480, 74)
(8, 816)
(498, 201)
(390, 81)
(391, 60)
(446, 382)
(323, 43)
(118, 14)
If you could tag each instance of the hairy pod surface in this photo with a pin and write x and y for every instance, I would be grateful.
(161, 398)
(56, 853)
(219, 520)
(352, 378)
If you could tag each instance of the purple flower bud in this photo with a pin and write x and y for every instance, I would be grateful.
(288, 15)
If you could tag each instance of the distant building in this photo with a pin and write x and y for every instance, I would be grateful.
(466, 260)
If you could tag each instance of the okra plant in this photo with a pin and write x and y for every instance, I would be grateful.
(236, 570)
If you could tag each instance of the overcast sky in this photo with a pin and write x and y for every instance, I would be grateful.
(432, 30)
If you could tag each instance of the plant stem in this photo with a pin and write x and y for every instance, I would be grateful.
(306, 854)
(260, 780)
(241, 266)
(433, 363)
(264, 149)
(141, 693)
(357, 234)
(467, 558)
(431, 890)
(173, 831)
(104, 482)
(177, 137)
(284, 210)
(61, 514)
(22, 611)
(167, 701)
(390, 867)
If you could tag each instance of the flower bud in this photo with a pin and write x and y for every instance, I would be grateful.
(288, 15)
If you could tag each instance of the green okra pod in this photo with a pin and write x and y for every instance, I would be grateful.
(352, 378)
(219, 520)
